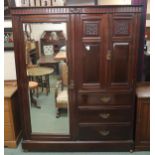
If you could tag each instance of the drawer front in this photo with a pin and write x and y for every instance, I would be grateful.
(105, 115)
(105, 99)
(105, 132)
(8, 134)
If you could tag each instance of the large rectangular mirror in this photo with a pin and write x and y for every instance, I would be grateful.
(47, 73)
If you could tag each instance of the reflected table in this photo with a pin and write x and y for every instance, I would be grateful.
(38, 73)
(49, 61)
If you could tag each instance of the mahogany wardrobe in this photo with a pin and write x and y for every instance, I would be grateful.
(100, 54)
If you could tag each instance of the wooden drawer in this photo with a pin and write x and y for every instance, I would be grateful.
(105, 132)
(8, 133)
(105, 99)
(104, 115)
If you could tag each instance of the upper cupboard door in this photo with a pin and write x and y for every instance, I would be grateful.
(122, 53)
(92, 43)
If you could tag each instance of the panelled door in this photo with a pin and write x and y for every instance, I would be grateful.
(92, 34)
(121, 54)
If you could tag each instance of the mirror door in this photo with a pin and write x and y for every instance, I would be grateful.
(47, 73)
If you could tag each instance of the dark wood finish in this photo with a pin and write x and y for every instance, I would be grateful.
(104, 114)
(142, 137)
(94, 98)
(12, 125)
(102, 54)
(62, 146)
(146, 67)
(142, 38)
(104, 132)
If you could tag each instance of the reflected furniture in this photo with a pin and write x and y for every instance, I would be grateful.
(32, 51)
(12, 124)
(103, 43)
(49, 61)
(61, 56)
(52, 38)
(142, 136)
(61, 92)
(41, 75)
(33, 86)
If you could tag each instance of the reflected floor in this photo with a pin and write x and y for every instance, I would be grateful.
(44, 120)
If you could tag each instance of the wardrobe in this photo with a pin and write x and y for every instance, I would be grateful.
(103, 43)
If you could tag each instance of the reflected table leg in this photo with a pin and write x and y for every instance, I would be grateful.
(33, 101)
(33, 85)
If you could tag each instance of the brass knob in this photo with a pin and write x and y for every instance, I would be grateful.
(105, 99)
(108, 56)
(104, 132)
(104, 116)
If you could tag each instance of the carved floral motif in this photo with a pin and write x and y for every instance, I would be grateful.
(121, 28)
(91, 29)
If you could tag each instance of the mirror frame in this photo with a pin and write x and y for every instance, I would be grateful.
(22, 76)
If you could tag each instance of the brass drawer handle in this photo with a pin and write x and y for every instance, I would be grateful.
(105, 99)
(104, 132)
(104, 116)
(108, 56)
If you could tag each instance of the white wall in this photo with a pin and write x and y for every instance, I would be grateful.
(38, 29)
(114, 2)
(148, 12)
(9, 60)
(9, 66)
(148, 6)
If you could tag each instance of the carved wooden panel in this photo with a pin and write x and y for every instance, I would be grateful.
(122, 27)
(120, 65)
(91, 28)
(64, 10)
(91, 51)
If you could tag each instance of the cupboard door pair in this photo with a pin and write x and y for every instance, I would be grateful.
(106, 51)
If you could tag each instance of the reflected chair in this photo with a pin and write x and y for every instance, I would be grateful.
(31, 61)
(43, 81)
(61, 92)
(33, 86)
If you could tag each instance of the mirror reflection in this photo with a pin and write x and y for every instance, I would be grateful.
(47, 72)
